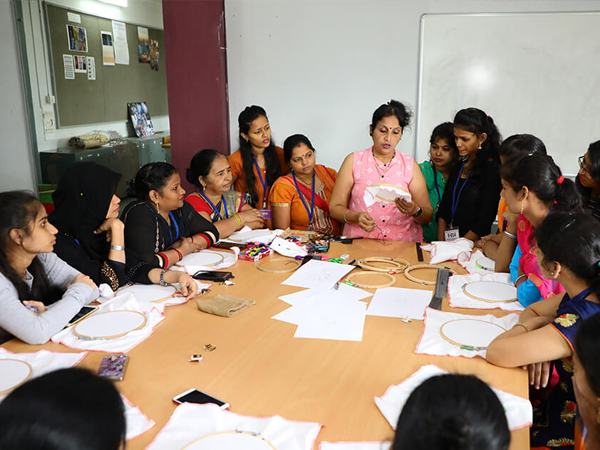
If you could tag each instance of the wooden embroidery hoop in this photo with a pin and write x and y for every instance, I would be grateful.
(423, 266)
(487, 300)
(399, 265)
(354, 275)
(207, 265)
(295, 264)
(461, 345)
(248, 433)
(153, 301)
(80, 335)
(483, 266)
(10, 388)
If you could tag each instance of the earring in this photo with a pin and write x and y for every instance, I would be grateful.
(522, 206)
(479, 147)
(552, 273)
(156, 203)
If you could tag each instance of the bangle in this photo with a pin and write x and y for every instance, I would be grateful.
(510, 235)
(179, 253)
(162, 278)
(117, 247)
(522, 325)
(519, 277)
(345, 214)
(165, 259)
(238, 219)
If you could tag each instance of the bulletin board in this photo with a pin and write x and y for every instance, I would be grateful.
(83, 101)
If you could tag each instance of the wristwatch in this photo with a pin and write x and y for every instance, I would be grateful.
(418, 213)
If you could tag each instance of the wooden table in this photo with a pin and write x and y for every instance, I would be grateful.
(262, 370)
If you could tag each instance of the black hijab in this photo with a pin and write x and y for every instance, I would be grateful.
(81, 202)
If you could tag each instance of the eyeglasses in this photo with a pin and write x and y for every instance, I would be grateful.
(582, 166)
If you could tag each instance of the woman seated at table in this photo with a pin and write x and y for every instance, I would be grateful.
(68, 409)
(443, 157)
(568, 251)
(470, 201)
(229, 210)
(452, 412)
(300, 199)
(39, 293)
(161, 228)
(257, 163)
(588, 178)
(533, 187)
(373, 186)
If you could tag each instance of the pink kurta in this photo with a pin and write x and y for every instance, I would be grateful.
(395, 225)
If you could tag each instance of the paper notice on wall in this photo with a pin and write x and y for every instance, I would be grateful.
(72, 17)
(120, 42)
(69, 67)
(91, 68)
(80, 64)
(108, 56)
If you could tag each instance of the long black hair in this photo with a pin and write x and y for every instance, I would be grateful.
(594, 169)
(587, 348)
(18, 210)
(573, 240)
(273, 165)
(69, 409)
(478, 122)
(542, 177)
(452, 412)
(201, 165)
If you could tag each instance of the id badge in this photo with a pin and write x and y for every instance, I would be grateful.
(451, 234)
(266, 213)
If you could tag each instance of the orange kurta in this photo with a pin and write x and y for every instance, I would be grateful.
(284, 194)
(237, 170)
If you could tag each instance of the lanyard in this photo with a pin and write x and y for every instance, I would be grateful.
(174, 222)
(437, 188)
(456, 199)
(582, 294)
(310, 211)
(215, 209)
(264, 182)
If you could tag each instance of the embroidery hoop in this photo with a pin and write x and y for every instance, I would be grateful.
(5, 389)
(481, 263)
(353, 275)
(235, 432)
(423, 266)
(262, 262)
(488, 300)
(400, 265)
(86, 322)
(466, 346)
(122, 288)
(222, 258)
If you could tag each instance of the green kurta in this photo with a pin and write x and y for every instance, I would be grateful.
(435, 197)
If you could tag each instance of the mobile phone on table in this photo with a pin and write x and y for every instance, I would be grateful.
(113, 367)
(82, 314)
(216, 276)
(196, 396)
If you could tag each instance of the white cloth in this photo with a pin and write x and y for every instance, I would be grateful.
(137, 422)
(448, 251)
(458, 299)
(519, 412)
(472, 262)
(190, 422)
(355, 445)
(43, 361)
(432, 342)
(190, 265)
(152, 311)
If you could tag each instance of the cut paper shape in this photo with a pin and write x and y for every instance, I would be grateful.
(109, 324)
(13, 373)
(231, 439)
(384, 193)
(491, 291)
(148, 292)
(470, 333)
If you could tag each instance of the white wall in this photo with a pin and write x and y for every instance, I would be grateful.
(322, 67)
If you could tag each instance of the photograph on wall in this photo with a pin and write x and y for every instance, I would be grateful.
(77, 37)
(108, 54)
(143, 45)
(140, 119)
(80, 64)
(154, 55)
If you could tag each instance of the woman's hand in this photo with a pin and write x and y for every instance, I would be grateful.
(186, 246)
(81, 278)
(111, 226)
(366, 222)
(406, 207)
(35, 304)
(252, 218)
(187, 286)
(539, 374)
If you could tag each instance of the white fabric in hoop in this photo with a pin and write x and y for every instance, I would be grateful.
(458, 299)
(476, 262)
(191, 421)
(206, 259)
(519, 412)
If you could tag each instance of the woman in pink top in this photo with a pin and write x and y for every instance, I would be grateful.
(381, 193)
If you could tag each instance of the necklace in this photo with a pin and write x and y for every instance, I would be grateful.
(381, 170)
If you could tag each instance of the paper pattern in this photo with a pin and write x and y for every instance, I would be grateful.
(318, 275)
(400, 302)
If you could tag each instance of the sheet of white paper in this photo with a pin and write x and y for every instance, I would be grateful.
(72, 17)
(69, 67)
(332, 322)
(120, 42)
(344, 292)
(399, 302)
(318, 275)
(91, 68)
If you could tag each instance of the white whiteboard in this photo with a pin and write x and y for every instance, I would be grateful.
(535, 73)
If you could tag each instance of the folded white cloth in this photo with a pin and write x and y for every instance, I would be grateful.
(432, 342)
(191, 422)
(355, 445)
(386, 193)
(137, 422)
(458, 299)
(122, 344)
(476, 262)
(519, 412)
(448, 251)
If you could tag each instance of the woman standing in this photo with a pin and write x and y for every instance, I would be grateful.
(257, 163)
(470, 201)
(588, 178)
(300, 199)
(382, 169)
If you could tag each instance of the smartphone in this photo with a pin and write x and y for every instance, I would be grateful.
(216, 276)
(196, 396)
(113, 367)
(82, 314)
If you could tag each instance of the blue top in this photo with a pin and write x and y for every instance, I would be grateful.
(527, 292)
